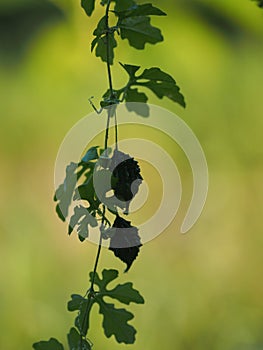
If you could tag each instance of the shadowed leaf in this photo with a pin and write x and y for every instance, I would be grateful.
(88, 6)
(76, 342)
(115, 322)
(139, 31)
(140, 10)
(83, 305)
(65, 191)
(51, 344)
(125, 241)
(159, 82)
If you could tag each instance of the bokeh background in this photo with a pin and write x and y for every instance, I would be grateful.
(203, 290)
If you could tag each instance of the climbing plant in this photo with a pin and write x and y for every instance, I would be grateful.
(131, 22)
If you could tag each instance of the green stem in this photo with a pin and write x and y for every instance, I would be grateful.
(106, 134)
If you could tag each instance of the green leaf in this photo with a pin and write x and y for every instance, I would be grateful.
(139, 31)
(83, 219)
(88, 6)
(51, 344)
(76, 342)
(65, 191)
(115, 322)
(130, 69)
(75, 302)
(159, 82)
(140, 10)
(100, 42)
(107, 277)
(121, 5)
(126, 294)
(83, 226)
(83, 305)
(86, 192)
(101, 49)
(91, 154)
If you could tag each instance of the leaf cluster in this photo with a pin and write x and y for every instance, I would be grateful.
(116, 173)
(132, 22)
(115, 320)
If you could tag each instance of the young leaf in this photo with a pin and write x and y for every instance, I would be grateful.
(139, 31)
(140, 10)
(51, 344)
(125, 242)
(65, 191)
(88, 6)
(76, 342)
(115, 322)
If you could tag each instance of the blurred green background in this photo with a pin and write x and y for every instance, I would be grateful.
(203, 290)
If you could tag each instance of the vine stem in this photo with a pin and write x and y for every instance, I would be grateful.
(106, 132)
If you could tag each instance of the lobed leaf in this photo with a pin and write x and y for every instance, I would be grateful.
(88, 6)
(64, 193)
(100, 41)
(139, 31)
(126, 294)
(107, 277)
(115, 322)
(51, 344)
(83, 219)
(140, 10)
(159, 82)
